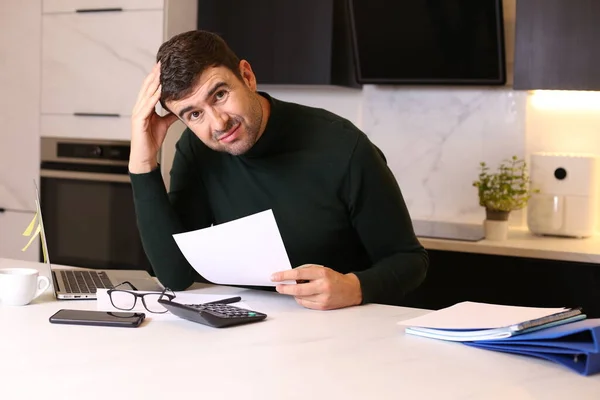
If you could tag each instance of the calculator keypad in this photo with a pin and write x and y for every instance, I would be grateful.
(224, 310)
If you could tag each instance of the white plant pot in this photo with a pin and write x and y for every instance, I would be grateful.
(496, 230)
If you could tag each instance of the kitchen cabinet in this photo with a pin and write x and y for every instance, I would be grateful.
(58, 6)
(286, 41)
(89, 127)
(95, 58)
(19, 105)
(454, 277)
(556, 45)
(94, 63)
(12, 225)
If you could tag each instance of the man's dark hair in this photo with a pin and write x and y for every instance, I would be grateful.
(186, 56)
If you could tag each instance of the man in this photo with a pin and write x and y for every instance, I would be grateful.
(338, 207)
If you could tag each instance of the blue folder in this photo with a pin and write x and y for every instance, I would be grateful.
(574, 345)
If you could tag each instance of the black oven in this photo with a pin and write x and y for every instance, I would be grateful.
(87, 204)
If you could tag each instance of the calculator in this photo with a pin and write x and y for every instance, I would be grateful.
(217, 315)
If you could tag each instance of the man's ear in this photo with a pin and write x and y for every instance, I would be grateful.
(247, 75)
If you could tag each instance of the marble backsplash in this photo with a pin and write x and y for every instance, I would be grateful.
(433, 138)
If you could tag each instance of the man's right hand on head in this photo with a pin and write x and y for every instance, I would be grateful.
(148, 129)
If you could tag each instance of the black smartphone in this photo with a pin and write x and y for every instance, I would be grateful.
(98, 318)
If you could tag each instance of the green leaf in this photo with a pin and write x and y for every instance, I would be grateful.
(507, 189)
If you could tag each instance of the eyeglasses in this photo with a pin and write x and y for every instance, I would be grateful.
(125, 300)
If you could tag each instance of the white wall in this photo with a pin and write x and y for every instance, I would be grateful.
(563, 121)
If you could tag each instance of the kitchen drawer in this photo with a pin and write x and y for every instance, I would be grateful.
(12, 225)
(61, 6)
(96, 62)
(85, 127)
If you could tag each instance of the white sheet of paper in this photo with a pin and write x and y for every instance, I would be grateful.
(103, 302)
(245, 251)
(471, 315)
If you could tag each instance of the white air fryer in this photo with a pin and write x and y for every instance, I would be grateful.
(567, 202)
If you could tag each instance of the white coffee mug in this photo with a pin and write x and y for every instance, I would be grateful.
(19, 286)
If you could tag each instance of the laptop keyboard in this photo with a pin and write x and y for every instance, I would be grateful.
(85, 281)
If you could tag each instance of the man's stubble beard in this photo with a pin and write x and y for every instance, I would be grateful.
(252, 130)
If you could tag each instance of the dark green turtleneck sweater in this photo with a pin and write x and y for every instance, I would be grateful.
(335, 201)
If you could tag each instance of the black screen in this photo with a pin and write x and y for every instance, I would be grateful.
(428, 41)
(91, 224)
(97, 316)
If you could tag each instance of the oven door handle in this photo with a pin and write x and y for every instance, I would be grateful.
(84, 176)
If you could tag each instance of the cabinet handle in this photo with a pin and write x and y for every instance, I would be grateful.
(93, 10)
(84, 114)
(3, 210)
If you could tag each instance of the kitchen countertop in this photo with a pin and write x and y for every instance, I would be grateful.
(522, 243)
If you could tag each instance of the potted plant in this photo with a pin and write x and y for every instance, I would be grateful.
(501, 192)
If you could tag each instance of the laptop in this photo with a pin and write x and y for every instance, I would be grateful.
(71, 284)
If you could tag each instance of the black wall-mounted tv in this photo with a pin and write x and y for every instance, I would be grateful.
(458, 42)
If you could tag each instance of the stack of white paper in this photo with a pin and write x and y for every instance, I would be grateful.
(469, 321)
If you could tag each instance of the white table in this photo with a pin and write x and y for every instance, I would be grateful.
(353, 353)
